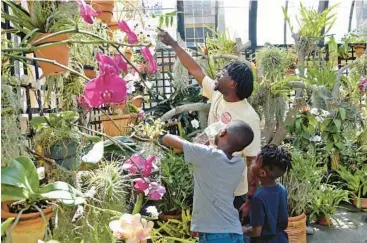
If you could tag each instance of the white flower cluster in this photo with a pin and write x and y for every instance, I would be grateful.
(152, 210)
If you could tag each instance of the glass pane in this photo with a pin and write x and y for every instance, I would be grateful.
(199, 32)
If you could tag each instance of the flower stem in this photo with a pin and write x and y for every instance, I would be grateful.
(138, 204)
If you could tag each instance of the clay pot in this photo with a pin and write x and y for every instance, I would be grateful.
(90, 72)
(363, 202)
(58, 53)
(106, 8)
(325, 221)
(113, 26)
(290, 71)
(122, 121)
(296, 229)
(30, 227)
(128, 53)
(359, 49)
(136, 101)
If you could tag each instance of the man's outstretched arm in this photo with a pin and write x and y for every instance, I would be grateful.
(174, 142)
(190, 64)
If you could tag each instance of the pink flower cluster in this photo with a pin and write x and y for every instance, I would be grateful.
(138, 165)
(363, 85)
(87, 12)
(108, 86)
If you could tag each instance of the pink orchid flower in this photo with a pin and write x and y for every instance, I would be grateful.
(131, 36)
(141, 184)
(141, 114)
(138, 164)
(152, 67)
(156, 191)
(87, 12)
(131, 228)
(363, 84)
(108, 87)
(82, 101)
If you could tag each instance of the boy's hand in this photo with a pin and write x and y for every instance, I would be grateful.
(245, 210)
(165, 38)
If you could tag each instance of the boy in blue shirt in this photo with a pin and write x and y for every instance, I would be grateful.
(269, 208)
(217, 173)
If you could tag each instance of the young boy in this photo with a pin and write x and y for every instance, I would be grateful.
(216, 175)
(269, 209)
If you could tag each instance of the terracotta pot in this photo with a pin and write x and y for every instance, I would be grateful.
(325, 221)
(106, 7)
(290, 71)
(90, 72)
(58, 53)
(359, 49)
(166, 217)
(128, 53)
(297, 229)
(136, 101)
(363, 202)
(113, 26)
(30, 227)
(122, 121)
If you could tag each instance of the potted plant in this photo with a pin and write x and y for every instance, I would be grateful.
(58, 138)
(41, 20)
(178, 181)
(31, 205)
(106, 9)
(326, 200)
(357, 184)
(301, 181)
(355, 41)
(291, 60)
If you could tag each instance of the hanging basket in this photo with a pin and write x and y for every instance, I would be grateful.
(106, 8)
(30, 227)
(58, 53)
(297, 229)
(122, 121)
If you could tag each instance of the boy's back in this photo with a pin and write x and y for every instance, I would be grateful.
(269, 209)
(215, 180)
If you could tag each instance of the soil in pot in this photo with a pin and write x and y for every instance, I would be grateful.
(90, 71)
(30, 227)
(325, 221)
(58, 53)
(297, 229)
(106, 8)
(65, 153)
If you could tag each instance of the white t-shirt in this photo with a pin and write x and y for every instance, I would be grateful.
(223, 111)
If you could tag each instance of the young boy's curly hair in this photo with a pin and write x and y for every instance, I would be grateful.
(276, 160)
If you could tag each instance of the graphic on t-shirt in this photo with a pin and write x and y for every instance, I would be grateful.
(226, 117)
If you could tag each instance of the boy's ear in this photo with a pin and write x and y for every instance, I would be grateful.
(223, 132)
(262, 173)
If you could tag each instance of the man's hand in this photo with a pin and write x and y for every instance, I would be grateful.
(165, 38)
(245, 211)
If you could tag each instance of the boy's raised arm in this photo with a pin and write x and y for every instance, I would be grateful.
(174, 142)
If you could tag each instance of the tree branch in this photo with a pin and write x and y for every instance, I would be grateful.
(184, 108)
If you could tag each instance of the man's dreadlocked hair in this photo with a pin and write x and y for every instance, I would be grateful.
(276, 159)
(243, 76)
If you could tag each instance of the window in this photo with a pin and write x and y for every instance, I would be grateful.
(196, 35)
(198, 8)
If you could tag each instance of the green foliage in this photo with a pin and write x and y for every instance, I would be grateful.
(271, 62)
(72, 88)
(326, 200)
(19, 181)
(321, 74)
(301, 181)
(56, 128)
(111, 147)
(5, 225)
(165, 20)
(356, 181)
(42, 17)
(347, 40)
(177, 230)
(178, 180)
